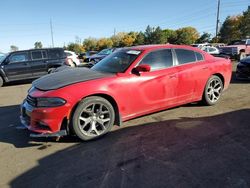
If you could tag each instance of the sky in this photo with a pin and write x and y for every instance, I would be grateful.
(23, 22)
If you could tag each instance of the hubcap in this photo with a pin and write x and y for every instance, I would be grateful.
(214, 90)
(94, 119)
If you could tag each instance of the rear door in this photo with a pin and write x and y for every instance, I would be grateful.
(193, 72)
(38, 63)
(17, 66)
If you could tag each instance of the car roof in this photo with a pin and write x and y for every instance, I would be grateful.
(37, 49)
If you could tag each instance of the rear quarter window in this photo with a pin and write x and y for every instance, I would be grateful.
(56, 54)
(185, 56)
(199, 56)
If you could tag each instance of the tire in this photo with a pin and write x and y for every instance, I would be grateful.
(93, 117)
(1, 81)
(212, 91)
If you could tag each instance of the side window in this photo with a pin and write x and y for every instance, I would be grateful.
(248, 42)
(55, 53)
(185, 56)
(158, 59)
(44, 53)
(19, 57)
(199, 56)
(36, 55)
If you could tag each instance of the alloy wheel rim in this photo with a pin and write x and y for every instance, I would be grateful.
(214, 90)
(94, 119)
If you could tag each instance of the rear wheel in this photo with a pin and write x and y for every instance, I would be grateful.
(213, 90)
(93, 118)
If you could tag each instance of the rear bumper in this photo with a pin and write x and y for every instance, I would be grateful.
(43, 120)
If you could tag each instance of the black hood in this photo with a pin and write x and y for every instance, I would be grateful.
(67, 77)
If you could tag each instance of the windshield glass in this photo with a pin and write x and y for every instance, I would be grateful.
(117, 62)
(105, 52)
(238, 42)
(2, 57)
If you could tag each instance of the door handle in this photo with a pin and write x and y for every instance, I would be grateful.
(205, 68)
(172, 76)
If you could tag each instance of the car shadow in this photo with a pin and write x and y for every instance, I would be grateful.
(212, 151)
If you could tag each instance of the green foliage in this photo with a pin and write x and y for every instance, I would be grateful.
(104, 43)
(154, 36)
(205, 37)
(230, 29)
(140, 39)
(169, 35)
(13, 48)
(186, 35)
(245, 24)
(38, 45)
(90, 44)
(77, 48)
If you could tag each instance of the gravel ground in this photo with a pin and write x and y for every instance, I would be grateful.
(188, 146)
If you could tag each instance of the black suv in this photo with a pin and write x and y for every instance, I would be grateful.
(29, 64)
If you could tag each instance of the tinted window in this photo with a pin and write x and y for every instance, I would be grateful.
(44, 53)
(158, 59)
(36, 55)
(185, 56)
(56, 53)
(20, 57)
(199, 57)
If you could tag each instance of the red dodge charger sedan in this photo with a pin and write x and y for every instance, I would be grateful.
(128, 83)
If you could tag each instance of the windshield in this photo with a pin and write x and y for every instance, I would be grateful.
(117, 62)
(105, 52)
(238, 42)
(2, 57)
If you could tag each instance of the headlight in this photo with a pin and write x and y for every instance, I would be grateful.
(50, 102)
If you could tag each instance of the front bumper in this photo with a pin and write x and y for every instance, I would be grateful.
(45, 121)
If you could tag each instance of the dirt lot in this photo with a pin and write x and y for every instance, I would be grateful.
(188, 146)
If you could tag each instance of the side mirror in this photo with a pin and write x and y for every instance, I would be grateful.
(142, 68)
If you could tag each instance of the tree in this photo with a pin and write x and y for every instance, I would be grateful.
(205, 37)
(169, 35)
(104, 43)
(77, 48)
(13, 48)
(245, 24)
(230, 29)
(116, 39)
(38, 45)
(140, 39)
(90, 44)
(128, 39)
(186, 35)
(154, 35)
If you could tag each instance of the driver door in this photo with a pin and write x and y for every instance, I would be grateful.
(156, 89)
(17, 66)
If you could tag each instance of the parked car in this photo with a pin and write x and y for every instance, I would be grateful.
(237, 49)
(201, 45)
(243, 69)
(28, 64)
(129, 83)
(87, 54)
(72, 59)
(99, 56)
(211, 50)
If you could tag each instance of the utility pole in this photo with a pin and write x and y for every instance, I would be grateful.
(217, 20)
(114, 31)
(51, 30)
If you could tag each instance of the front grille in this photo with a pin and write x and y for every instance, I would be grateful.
(31, 100)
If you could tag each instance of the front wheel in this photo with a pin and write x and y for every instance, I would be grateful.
(93, 118)
(212, 91)
(1, 81)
